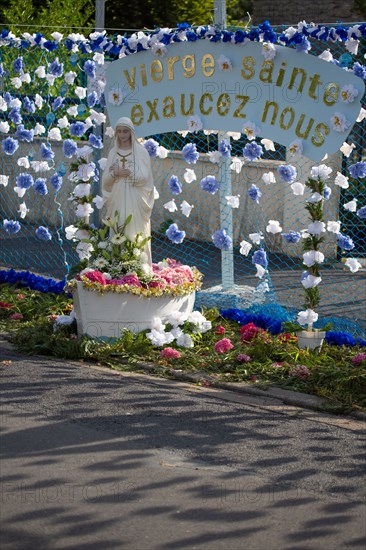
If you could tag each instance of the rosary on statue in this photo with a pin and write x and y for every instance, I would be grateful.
(123, 159)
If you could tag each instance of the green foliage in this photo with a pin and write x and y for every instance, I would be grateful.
(67, 16)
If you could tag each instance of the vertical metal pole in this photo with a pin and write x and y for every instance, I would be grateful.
(226, 214)
(99, 15)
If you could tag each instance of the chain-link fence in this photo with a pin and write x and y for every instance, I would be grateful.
(47, 104)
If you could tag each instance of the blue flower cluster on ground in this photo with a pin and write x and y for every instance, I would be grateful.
(34, 282)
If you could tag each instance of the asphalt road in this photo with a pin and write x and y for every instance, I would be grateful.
(93, 459)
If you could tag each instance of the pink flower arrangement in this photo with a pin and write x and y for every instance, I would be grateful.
(222, 346)
(250, 331)
(170, 353)
(96, 277)
(20, 296)
(220, 330)
(300, 371)
(16, 316)
(174, 273)
(157, 284)
(358, 359)
(5, 305)
(131, 280)
(243, 358)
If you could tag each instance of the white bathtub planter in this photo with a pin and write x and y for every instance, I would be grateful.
(105, 315)
(311, 340)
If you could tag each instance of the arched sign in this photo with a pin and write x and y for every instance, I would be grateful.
(290, 97)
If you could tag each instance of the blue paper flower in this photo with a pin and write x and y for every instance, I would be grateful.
(29, 105)
(174, 234)
(260, 257)
(56, 68)
(69, 148)
(327, 192)
(92, 99)
(175, 185)
(254, 193)
(56, 181)
(292, 236)
(190, 153)
(77, 129)
(287, 173)
(225, 148)
(89, 68)
(151, 147)
(362, 213)
(303, 45)
(95, 141)
(358, 170)
(43, 233)
(222, 240)
(11, 226)
(345, 242)
(46, 152)
(40, 186)
(252, 151)
(57, 103)
(18, 65)
(334, 338)
(210, 184)
(359, 70)
(15, 116)
(24, 181)
(24, 135)
(2, 72)
(9, 145)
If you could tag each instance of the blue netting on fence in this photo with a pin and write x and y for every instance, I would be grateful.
(47, 103)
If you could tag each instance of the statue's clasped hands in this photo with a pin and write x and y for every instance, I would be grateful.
(118, 172)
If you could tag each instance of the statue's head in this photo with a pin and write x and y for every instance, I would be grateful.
(124, 132)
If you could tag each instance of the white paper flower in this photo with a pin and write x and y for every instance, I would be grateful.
(341, 181)
(41, 71)
(353, 264)
(256, 237)
(25, 78)
(16, 82)
(72, 111)
(194, 123)
(24, 162)
(162, 152)
(236, 164)
(86, 171)
(97, 118)
(298, 188)
(186, 208)
(268, 178)
(70, 231)
(339, 122)
(84, 152)
(315, 197)
(98, 58)
(189, 175)
(109, 131)
(157, 324)
(307, 317)
(260, 271)
(202, 324)
(159, 339)
(177, 318)
(295, 148)
(185, 341)
(70, 77)
(171, 206)
(351, 206)
(63, 122)
(82, 190)
(57, 36)
(40, 166)
(268, 144)
(352, 46)
(50, 79)
(348, 93)
(347, 149)
(269, 51)
(321, 172)
(84, 250)
(333, 227)
(3, 104)
(84, 210)
(326, 55)
(310, 281)
(102, 163)
(159, 49)
(23, 210)
(233, 201)
(313, 257)
(214, 156)
(234, 135)
(251, 130)
(15, 102)
(80, 92)
(245, 248)
(55, 134)
(115, 96)
(39, 129)
(273, 227)
(361, 115)
(4, 127)
(316, 228)
(224, 64)
(4, 180)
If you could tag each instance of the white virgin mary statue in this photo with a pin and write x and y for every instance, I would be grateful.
(127, 183)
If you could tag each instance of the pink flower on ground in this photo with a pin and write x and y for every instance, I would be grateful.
(277, 365)
(16, 316)
(5, 305)
(20, 296)
(157, 284)
(357, 359)
(242, 358)
(131, 280)
(222, 346)
(249, 331)
(253, 378)
(170, 353)
(300, 371)
(220, 330)
(96, 277)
